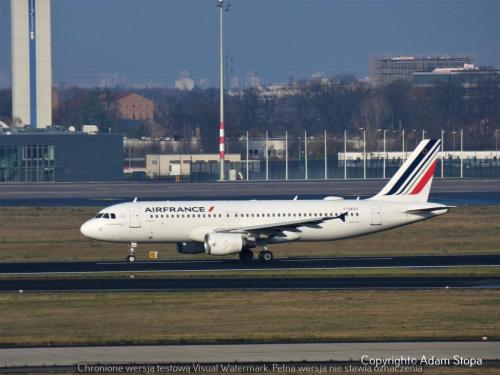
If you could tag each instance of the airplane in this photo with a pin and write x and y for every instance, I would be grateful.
(236, 227)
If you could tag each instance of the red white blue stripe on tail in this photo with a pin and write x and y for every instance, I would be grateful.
(413, 180)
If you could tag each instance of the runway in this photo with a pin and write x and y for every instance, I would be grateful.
(128, 284)
(93, 193)
(26, 268)
(245, 353)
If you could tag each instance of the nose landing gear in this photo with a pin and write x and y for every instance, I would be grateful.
(131, 252)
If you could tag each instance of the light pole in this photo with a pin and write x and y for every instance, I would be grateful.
(442, 153)
(326, 161)
(385, 154)
(423, 134)
(222, 8)
(267, 156)
(248, 173)
(345, 154)
(461, 153)
(286, 155)
(496, 139)
(364, 152)
(403, 143)
(305, 154)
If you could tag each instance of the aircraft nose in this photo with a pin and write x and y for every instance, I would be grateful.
(87, 229)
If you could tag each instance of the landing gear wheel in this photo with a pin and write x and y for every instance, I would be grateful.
(265, 256)
(131, 252)
(246, 255)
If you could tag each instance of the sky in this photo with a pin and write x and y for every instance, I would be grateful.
(152, 41)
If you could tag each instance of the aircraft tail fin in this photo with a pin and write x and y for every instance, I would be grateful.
(412, 182)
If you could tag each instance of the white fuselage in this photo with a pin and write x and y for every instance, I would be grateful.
(190, 221)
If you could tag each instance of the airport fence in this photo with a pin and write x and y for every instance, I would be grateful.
(327, 156)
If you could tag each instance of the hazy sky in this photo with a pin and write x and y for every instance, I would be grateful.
(153, 40)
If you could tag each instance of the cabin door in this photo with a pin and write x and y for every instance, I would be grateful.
(376, 218)
(135, 216)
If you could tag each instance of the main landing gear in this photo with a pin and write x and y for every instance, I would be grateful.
(246, 255)
(264, 256)
(131, 252)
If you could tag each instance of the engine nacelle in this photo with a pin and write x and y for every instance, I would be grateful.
(223, 243)
(190, 247)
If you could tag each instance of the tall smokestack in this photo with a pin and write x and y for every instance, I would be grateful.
(31, 63)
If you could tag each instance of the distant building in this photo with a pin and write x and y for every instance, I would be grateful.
(253, 80)
(204, 83)
(389, 68)
(59, 156)
(180, 164)
(113, 80)
(135, 107)
(184, 83)
(469, 76)
(276, 148)
(279, 91)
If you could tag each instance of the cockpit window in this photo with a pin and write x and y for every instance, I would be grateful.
(113, 216)
(106, 216)
(98, 216)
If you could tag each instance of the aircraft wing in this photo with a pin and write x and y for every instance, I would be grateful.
(287, 225)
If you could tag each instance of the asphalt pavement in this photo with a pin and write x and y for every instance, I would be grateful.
(432, 261)
(250, 353)
(138, 284)
(222, 190)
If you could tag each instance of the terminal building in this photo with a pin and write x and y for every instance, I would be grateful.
(385, 69)
(60, 156)
(33, 149)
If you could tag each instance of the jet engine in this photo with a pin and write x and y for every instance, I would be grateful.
(190, 247)
(223, 243)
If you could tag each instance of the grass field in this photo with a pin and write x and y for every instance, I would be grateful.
(53, 233)
(99, 318)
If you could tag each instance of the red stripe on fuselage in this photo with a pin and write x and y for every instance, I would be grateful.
(425, 179)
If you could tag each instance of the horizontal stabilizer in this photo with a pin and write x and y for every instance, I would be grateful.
(428, 209)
